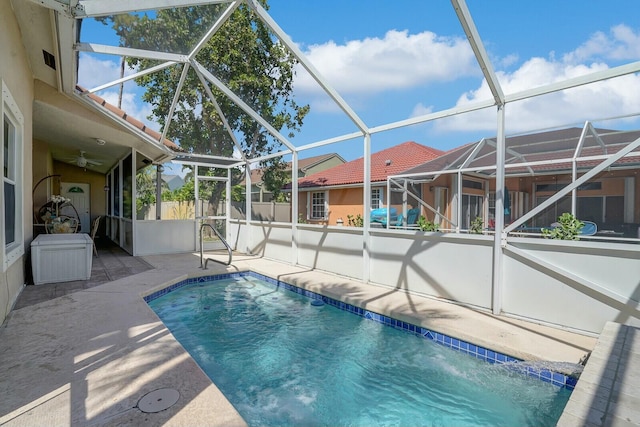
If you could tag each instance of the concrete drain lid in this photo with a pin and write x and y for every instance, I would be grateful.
(158, 400)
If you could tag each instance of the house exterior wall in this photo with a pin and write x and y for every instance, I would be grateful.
(16, 74)
(321, 166)
(342, 202)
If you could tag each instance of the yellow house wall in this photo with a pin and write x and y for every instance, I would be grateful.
(16, 74)
(42, 167)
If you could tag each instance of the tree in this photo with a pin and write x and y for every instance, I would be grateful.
(274, 178)
(243, 54)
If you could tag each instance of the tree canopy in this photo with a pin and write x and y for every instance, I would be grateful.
(243, 54)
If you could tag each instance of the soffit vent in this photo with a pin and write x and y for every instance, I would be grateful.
(49, 59)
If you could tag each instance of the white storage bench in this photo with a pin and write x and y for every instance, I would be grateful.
(61, 257)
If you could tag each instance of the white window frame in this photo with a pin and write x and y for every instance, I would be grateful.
(310, 205)
(377, 194)
(9, 111)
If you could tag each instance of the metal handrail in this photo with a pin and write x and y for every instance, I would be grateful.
(217, 233)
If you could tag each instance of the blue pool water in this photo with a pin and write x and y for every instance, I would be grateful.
(282, 361)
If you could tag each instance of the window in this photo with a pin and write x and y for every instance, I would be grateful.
(467, 183)
(318, 205)
(397, 195)
(11, 191)
(376, 198)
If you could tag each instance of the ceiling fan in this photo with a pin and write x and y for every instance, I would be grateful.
(82, 161)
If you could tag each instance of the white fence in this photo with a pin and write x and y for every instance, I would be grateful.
(570, 284)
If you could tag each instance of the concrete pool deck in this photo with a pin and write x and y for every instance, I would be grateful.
(87, 357)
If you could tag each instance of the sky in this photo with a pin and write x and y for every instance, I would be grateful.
(392, 61)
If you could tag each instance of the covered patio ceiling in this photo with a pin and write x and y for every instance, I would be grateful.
(76, 122)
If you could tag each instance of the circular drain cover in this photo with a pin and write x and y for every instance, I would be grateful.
(158, 400)
(317, 302)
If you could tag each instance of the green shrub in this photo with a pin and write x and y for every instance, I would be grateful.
(569, 228)
(356, 221)
(476, 226)
(426, 225)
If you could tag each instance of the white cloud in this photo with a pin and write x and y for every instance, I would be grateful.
(606, 99)
(398, 61)
(610, 98)
(421, 110)
(93, 71)
(622, 43)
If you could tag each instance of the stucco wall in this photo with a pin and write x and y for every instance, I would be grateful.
(16, 75)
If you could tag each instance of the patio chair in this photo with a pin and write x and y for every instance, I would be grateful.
(94, 230)
(380, 216)
(589, 228)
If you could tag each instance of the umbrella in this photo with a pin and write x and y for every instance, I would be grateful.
(507, 205)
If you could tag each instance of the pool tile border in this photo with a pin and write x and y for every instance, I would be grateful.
(456, 344)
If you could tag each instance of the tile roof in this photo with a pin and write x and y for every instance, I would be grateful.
(127, 118)
(537, 147)
(387, 162)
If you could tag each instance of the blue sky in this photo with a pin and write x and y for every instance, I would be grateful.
(391, 61)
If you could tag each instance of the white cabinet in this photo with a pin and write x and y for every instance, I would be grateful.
(61, 257)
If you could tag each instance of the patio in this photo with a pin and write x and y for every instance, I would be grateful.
(87, 357)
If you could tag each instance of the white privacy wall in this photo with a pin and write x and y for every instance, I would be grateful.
(570, 284)
(271, 240)
(165, 237)
(546, 291)
(334, 249)
(452, 266)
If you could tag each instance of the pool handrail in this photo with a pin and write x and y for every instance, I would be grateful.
(217, 233)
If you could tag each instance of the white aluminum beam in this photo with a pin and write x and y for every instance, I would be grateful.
(295, 50)
(366, 236)
(500, 237)
(176, 96)
(65, 32)
(225, 123)
(247, 109)
(127, 51)
(576, 81)
(93, 8)
(473, 153)
(295, 203)
(479, 51)
(132, 76)
(466, 108)
(271, 156)
(329, 141)
(214, 28)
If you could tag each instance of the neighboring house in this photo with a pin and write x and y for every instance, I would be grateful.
(538, 166)
(333, 195)
(306, 167)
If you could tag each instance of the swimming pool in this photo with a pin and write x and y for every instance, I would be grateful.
(283, 361)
